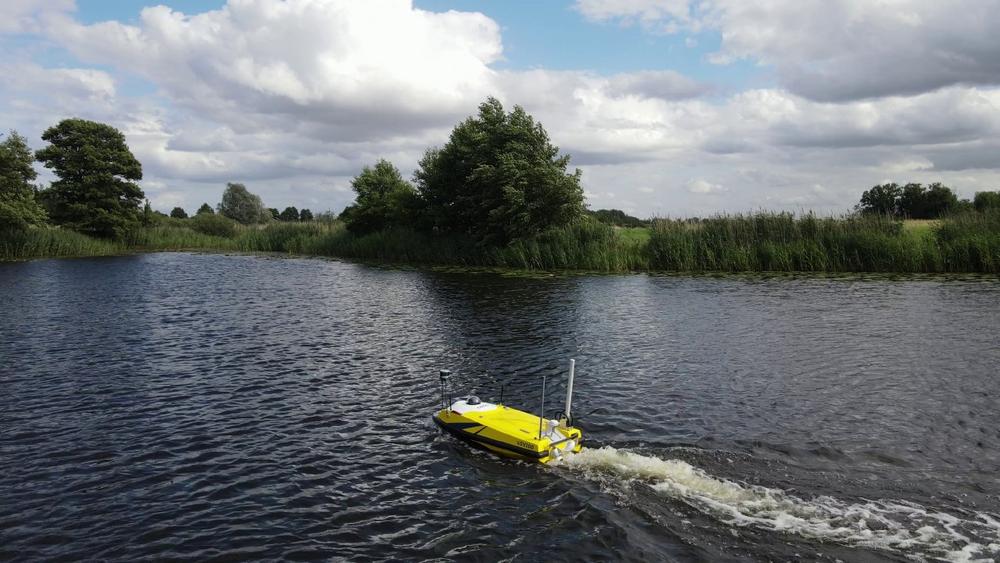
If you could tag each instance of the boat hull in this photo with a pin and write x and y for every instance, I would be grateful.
(510, 433)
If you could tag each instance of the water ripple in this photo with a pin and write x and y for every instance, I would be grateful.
(179, 406)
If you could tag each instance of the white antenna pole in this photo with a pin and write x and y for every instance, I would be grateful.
(569, 387)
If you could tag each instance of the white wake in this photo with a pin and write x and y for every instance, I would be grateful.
(895, 526)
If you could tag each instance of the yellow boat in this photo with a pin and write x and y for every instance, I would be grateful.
(507, 431)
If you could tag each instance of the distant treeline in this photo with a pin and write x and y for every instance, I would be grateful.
(96, 193)
(497, 179)
(618, 218)
(497, 194)
(290, 213)
(914, 201)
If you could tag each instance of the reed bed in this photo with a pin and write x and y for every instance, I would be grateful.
(402, 246)
(54, 243)
(970, 242)
(587, 245)
(965, 242)
(169, 237)
(761, 242)
(292, 238)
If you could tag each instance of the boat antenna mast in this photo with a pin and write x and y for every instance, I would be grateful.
(445, 402)
(541, 416)
(569, 391)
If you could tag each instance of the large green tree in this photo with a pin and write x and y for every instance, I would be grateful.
(242, 206)
(938, 200)
(986, 200)
(205, 208)
(289, 214)
(498, 178)
(917, 202)
(178, 213)
(912, 202)
(18, 207)
(383, 200)
(96, 192)
(882, 199)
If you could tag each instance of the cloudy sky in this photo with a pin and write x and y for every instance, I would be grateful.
(670, 107)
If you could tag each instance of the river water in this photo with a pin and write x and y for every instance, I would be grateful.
(237, 407)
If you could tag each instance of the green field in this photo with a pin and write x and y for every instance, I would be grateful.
(634, 235)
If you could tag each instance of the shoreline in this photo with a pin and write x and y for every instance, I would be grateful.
(754, 275)
(758, 244)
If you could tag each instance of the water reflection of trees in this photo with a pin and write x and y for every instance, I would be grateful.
(505, 330)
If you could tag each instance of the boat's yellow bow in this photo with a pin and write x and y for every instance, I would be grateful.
(508, 431)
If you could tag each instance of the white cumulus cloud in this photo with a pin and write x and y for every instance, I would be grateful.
(294, 97)
(24, 16)
(835, 50)
(702, 186)
(345, 70)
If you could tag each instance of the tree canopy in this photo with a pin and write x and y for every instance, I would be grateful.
(242, 206)
(986, 200)
(178, 213)
(18, 207)
(326, 216)
(912, 200)
(498, 178)
(96, 192)
(305, 215)
(937, 200)
(289, 214)
(205, 208)
(384, 200)
(882, 199)
(617, 217)
(146, 218)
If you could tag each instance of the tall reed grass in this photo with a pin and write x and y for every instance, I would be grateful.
(970, 241)
(587, 245)
(780, 242)
(783, 242)
(396, 245)
(54, 243)
(168, 237)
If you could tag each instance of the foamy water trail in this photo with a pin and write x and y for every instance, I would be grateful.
(895, 526)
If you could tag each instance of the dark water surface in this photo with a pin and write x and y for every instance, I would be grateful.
(199, 406)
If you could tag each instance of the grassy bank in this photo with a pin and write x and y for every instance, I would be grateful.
(968, 242)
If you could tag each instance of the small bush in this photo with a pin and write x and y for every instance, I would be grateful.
(214, 225)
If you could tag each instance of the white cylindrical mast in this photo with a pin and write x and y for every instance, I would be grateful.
(569, 388)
